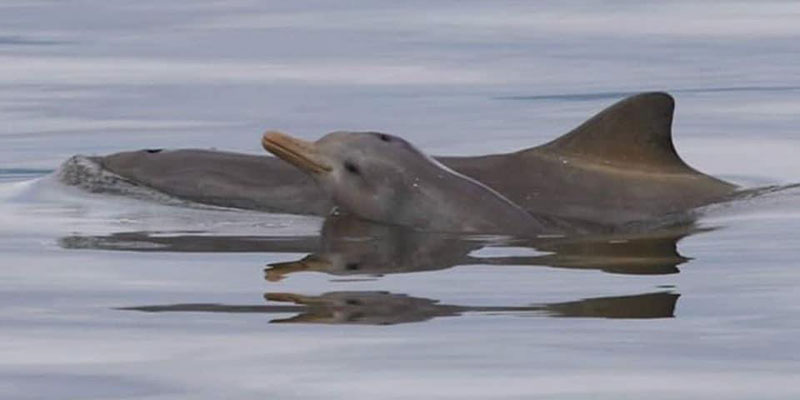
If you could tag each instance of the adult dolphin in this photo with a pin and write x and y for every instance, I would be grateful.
(619, 166)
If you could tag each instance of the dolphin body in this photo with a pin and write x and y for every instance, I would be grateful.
(618, 167)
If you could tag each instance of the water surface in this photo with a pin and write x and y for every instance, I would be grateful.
(105, 297)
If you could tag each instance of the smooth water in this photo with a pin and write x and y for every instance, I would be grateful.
(106, 297)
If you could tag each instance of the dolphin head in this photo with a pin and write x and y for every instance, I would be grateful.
(383, 178)
(376, 176)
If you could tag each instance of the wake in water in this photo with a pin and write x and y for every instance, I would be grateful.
(41, 203)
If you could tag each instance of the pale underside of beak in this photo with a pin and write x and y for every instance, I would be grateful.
(300, 153)
(278, 271)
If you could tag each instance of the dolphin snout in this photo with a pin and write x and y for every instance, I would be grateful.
(300, 153)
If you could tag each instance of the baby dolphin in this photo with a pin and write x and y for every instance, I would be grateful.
(383, 178)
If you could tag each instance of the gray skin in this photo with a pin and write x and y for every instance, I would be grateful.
(384, 178)
(617, 167)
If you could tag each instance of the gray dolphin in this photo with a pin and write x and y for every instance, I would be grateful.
(383, 178)
(619, 166)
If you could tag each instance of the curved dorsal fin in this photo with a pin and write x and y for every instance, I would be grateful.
(635, 133)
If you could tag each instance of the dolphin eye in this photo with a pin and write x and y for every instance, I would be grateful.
(385, 137)
(351, 266)
(351, 167)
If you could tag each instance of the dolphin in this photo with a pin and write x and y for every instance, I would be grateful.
(383, 178)
(618, 167)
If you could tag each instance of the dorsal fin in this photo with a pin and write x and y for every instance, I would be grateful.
(634, 133)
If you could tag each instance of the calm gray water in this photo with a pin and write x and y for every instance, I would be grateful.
(102, 297)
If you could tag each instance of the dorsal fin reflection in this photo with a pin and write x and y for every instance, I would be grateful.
(349, 246)
(384, 308)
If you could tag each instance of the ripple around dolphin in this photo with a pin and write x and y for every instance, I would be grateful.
(22, 174)
(18, 40)
(384, 308)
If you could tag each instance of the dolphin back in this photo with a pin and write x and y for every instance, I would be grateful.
(617, 167)
(635, 133)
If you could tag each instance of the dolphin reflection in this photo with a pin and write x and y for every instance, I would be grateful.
(351, 246)
(384, 308)
(396, 250)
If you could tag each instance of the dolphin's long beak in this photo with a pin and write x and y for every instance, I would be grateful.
(298, 152)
